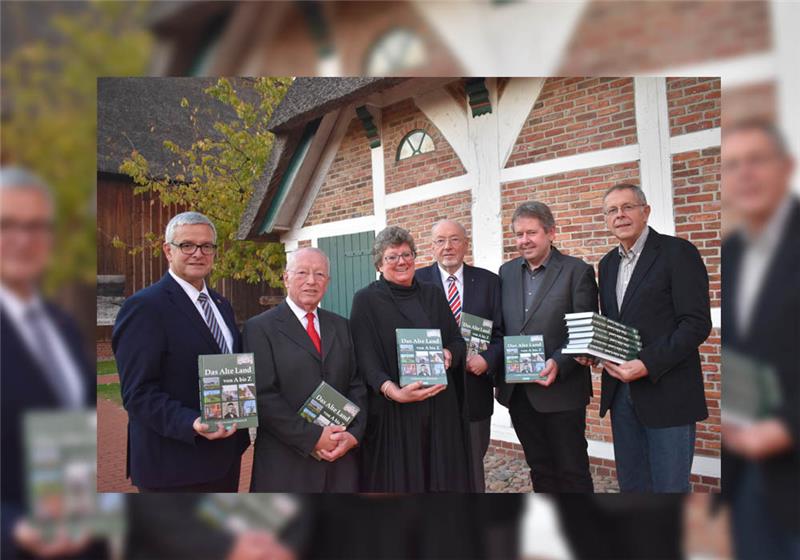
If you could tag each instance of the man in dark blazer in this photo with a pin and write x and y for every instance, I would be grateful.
(539, 287)
(297, 345)
(158, 335)
(475, 291)
(761, 318)
(657, 284)
(43, 363)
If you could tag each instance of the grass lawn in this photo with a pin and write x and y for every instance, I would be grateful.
(110, 391)
(105, 367)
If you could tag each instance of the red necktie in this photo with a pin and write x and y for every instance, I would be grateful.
(312, 332)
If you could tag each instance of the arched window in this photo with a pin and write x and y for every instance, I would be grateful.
(415, 142)
(396, 50)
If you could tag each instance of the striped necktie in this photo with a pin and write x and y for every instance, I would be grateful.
(454, 299)
(213, 326)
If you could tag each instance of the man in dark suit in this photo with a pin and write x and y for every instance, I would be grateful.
(657, 284)
(158, 335)
(296, 346)
(549, 415)
(761, 314)
(44, 363)
(475, 291)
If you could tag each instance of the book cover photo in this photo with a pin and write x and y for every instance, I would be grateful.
(228, 390)
(420, 356)
(524, 358)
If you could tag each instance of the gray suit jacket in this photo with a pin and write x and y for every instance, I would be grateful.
(288, 369)
(568, 286)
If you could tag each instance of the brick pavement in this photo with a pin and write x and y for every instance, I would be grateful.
(111, 450)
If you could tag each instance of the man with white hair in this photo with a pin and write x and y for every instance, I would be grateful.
(297, 345)
(43, 364)
(159, 333)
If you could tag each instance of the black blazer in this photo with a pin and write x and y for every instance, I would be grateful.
(288, 369)
(667, 301)
(772, 339)
(568, 286)
(157, 337)
(481, 297)
(24, 387)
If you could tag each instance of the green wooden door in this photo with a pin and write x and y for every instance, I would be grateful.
(351, 268)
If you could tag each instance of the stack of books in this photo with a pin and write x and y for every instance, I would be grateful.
(592, 335)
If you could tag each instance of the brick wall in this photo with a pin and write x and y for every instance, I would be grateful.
(694, 104)
(615, 38)
(419, 218)
(347, 190)
(442, 163)
(576, 115)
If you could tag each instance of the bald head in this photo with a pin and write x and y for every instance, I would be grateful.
(301, 255)
(306, 277)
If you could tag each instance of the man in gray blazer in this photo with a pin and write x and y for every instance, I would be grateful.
(297, 345)
(549, 415)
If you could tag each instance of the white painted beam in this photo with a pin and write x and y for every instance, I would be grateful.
(429, 191)
(700, 140)
(588, 160)
(513, 108)
(655, 162)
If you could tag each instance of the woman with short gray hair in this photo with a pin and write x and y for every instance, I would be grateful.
(417, 435)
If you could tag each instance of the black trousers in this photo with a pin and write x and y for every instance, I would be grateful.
(554, 444)
(228, 483)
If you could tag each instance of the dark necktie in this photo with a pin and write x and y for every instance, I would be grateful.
(312, 332)
(213, 326)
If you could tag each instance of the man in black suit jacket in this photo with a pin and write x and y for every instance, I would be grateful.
(549, 415)
(657, 284)
(297, 345)
(477, 292)
(44, 364)
(158, 335)
(761, 317)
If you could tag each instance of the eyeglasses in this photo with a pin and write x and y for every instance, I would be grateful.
(625, 209)
(191, 248)
(36, 228)
(442, 241)
(392, 259)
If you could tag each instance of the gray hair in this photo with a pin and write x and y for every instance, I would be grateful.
(391, 236)
(15, 177)
(628, 187)
(292, 257)
(446, 221)
(765, 127)
(187, 219)
(534, 209)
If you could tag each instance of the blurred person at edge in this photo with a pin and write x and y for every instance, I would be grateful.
(761, 318)
(43, 363)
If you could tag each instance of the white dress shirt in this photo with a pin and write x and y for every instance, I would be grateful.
(758, 255)
(459, 274)
(71, 390)
(193, 294)
(301, 313)
(627, 264)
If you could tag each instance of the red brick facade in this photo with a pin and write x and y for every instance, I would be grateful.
(577, 115)
(694, 104)
(419, 218)
(347, 190)
(616, 38)
(442, 163)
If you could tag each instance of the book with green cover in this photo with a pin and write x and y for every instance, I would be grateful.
(524, 358)
(420, 356)
(228, 390)
(750, 389)
(61, 468)
(609, 337)
(477, 333)
(590, 318)
(326, 406)
(237, 513)
(593, 350)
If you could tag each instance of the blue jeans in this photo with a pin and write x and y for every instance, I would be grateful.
(649, 459)
(757, 535)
